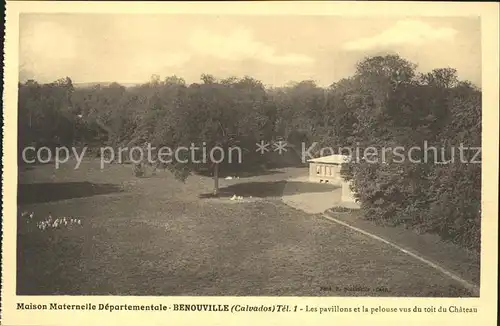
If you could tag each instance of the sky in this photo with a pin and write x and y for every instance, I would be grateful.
(128, 48)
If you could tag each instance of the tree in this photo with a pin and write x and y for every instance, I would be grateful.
(442, 77)
(231, 112)
(391, 111)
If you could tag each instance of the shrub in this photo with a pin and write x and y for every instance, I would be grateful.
(139, 170)
(394, 109)
(340, 209)
(441, 199)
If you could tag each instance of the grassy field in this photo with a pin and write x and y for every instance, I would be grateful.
(156, 236)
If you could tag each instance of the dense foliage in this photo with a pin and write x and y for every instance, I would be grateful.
(385, 104)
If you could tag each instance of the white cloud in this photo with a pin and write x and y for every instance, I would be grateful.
(45, 48)
(154, 60)
(50, 41)
(239, 44)
(404, 32)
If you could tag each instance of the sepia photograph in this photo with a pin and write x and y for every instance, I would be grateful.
(264, 155)
(270, 163)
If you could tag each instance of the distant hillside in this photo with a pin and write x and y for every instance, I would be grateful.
(92, 84)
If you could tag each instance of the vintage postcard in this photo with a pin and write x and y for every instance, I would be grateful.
(273, 163)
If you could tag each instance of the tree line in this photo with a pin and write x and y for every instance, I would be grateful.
(386, 103)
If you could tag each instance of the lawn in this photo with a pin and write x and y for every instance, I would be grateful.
(156, 236)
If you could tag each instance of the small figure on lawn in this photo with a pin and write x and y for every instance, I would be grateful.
(139, 169)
